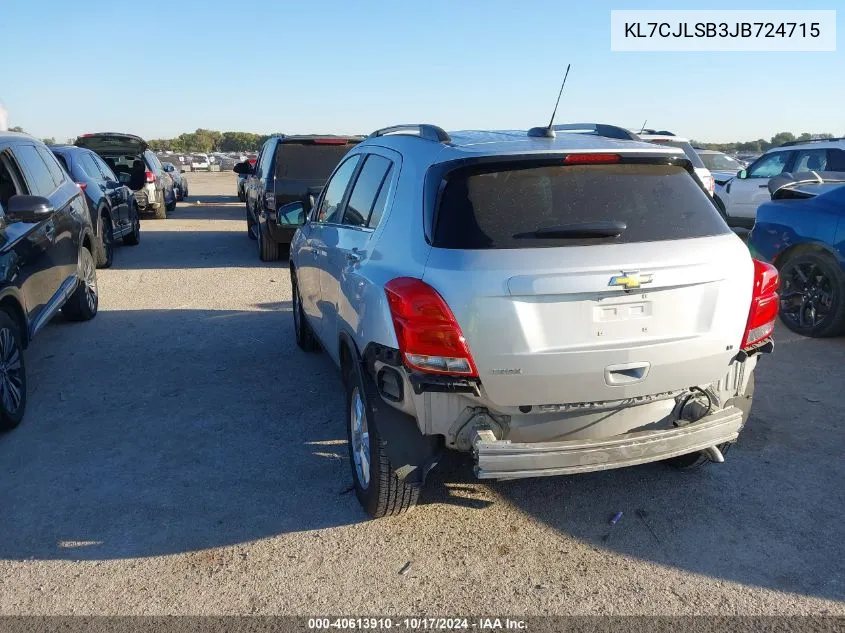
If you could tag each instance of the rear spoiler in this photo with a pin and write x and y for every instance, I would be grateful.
(802, 178)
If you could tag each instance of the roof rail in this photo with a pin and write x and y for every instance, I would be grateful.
(599, 129)
(423, 130)
(811, 140)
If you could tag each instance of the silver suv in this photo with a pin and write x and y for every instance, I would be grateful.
(553, 303)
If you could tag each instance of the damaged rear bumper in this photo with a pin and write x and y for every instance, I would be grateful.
(502, 459)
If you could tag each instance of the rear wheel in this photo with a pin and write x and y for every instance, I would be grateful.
(12, 373)
(268, 249)
(105, 249)
(812, 295)
(82, 304)
(170, 206)
(304, 335)
(379, 490)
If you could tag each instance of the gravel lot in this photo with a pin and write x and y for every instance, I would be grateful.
(181, 455)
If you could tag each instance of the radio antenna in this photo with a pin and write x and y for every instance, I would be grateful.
(548, 132)
(642, 129)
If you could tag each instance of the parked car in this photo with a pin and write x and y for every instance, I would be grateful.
(749, 189)
(801, 230)
(722, 167)
(180, 183)
(47, 256)
(667, 138)
(288, 168)
(114, 213)
(551, 305)
(200, 162)
(136, 166)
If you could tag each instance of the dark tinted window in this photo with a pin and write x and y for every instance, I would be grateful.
(381, 202)
(107, 172)
(297, 161)
(87, 164)
(491, 207)
(365, 190)
(56, 171)
(836, 160)
(38, 176)
(63, 161)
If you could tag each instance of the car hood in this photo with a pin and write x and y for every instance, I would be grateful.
(723, 176)
(112, 143)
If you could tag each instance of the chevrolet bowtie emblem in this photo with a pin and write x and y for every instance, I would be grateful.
(631, 280)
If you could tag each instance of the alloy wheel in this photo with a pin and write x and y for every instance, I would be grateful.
(11, 382)
(807, 294)
(360, 438)
(89, 278)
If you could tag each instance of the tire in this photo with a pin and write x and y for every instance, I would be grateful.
(82, 304)
(134, 237)
(170, 206)
(700, 458)
(105, 247)
(160, 212)
(12, 373)
(241, 196)
(812, 285)
(250, 225)
(305, 338)
(379, 491)
(268, 250)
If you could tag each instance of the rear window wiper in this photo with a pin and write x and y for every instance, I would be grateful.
(579, 230)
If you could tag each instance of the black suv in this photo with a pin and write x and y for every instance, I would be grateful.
(289, 169)
(46, 246)
(114, 213)
(136, 166)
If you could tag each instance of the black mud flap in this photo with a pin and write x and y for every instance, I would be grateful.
(412, 454)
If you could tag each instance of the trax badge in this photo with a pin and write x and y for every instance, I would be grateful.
(630, 280)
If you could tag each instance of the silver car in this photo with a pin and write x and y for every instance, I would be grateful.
(551, 301)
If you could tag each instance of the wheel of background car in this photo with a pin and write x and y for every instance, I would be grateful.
(379, 490)
(170, 206)
(12, 373)
(812, 295)
(105, 249)
(82, 304)
(305, 338)
(134, 236)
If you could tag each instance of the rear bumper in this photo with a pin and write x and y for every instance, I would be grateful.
(502, 459)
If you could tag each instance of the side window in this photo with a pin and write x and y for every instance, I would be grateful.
(769, 166)
(836, 160)
(56, 171)
(381, 202)
(36, 173)
(63, 161)
(810, 160)
(267, 159)
(365, 190)
(107, 172)
(330, 207)
(11, 183)
(89, 166)
(152, 161)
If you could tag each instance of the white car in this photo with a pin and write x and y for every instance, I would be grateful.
(701, 170)
(741, 196)
(200, 161)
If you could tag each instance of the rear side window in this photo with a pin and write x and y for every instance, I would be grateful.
(488, 207)
(89, 166)
(366, 190)
(299, 161)
(38, 176)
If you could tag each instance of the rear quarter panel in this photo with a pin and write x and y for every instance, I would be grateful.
(784, 224)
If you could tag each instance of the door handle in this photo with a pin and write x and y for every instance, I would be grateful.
(354, 257)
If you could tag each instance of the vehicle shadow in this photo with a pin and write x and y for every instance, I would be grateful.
(204, 428)
(769, 516)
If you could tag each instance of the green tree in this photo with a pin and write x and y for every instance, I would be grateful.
(48, 141)
(781, 137)
(17, 128)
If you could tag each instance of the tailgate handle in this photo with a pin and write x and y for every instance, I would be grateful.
(626, 373)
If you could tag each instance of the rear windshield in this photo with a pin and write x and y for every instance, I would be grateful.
(490, 207)
(296, 161)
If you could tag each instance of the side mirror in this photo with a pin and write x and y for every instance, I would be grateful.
(29, 208)
(243, 168)
(742, 174)
(291, 214)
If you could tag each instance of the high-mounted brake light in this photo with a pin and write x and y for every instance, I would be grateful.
(430, 338)
(329, 141)
(149, 176)
(764, 304)
(591, 159)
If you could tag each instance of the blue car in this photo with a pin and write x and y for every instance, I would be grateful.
(802, 232)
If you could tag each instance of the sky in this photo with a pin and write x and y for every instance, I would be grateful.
(159, 68)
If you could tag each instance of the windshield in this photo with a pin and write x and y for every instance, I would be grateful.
(720, 162)
(494, 207)
(295, 161)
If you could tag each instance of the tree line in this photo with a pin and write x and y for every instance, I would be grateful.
(760, 145)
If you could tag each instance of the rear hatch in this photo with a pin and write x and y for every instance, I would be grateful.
(555, 309)
(304, 165)
(112, 143)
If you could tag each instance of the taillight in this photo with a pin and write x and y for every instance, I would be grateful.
(764, 304)
(150, 176)
(82, 185)
(430, 338)
(591, 159)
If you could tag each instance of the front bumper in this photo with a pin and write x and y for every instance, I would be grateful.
(502, 459)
